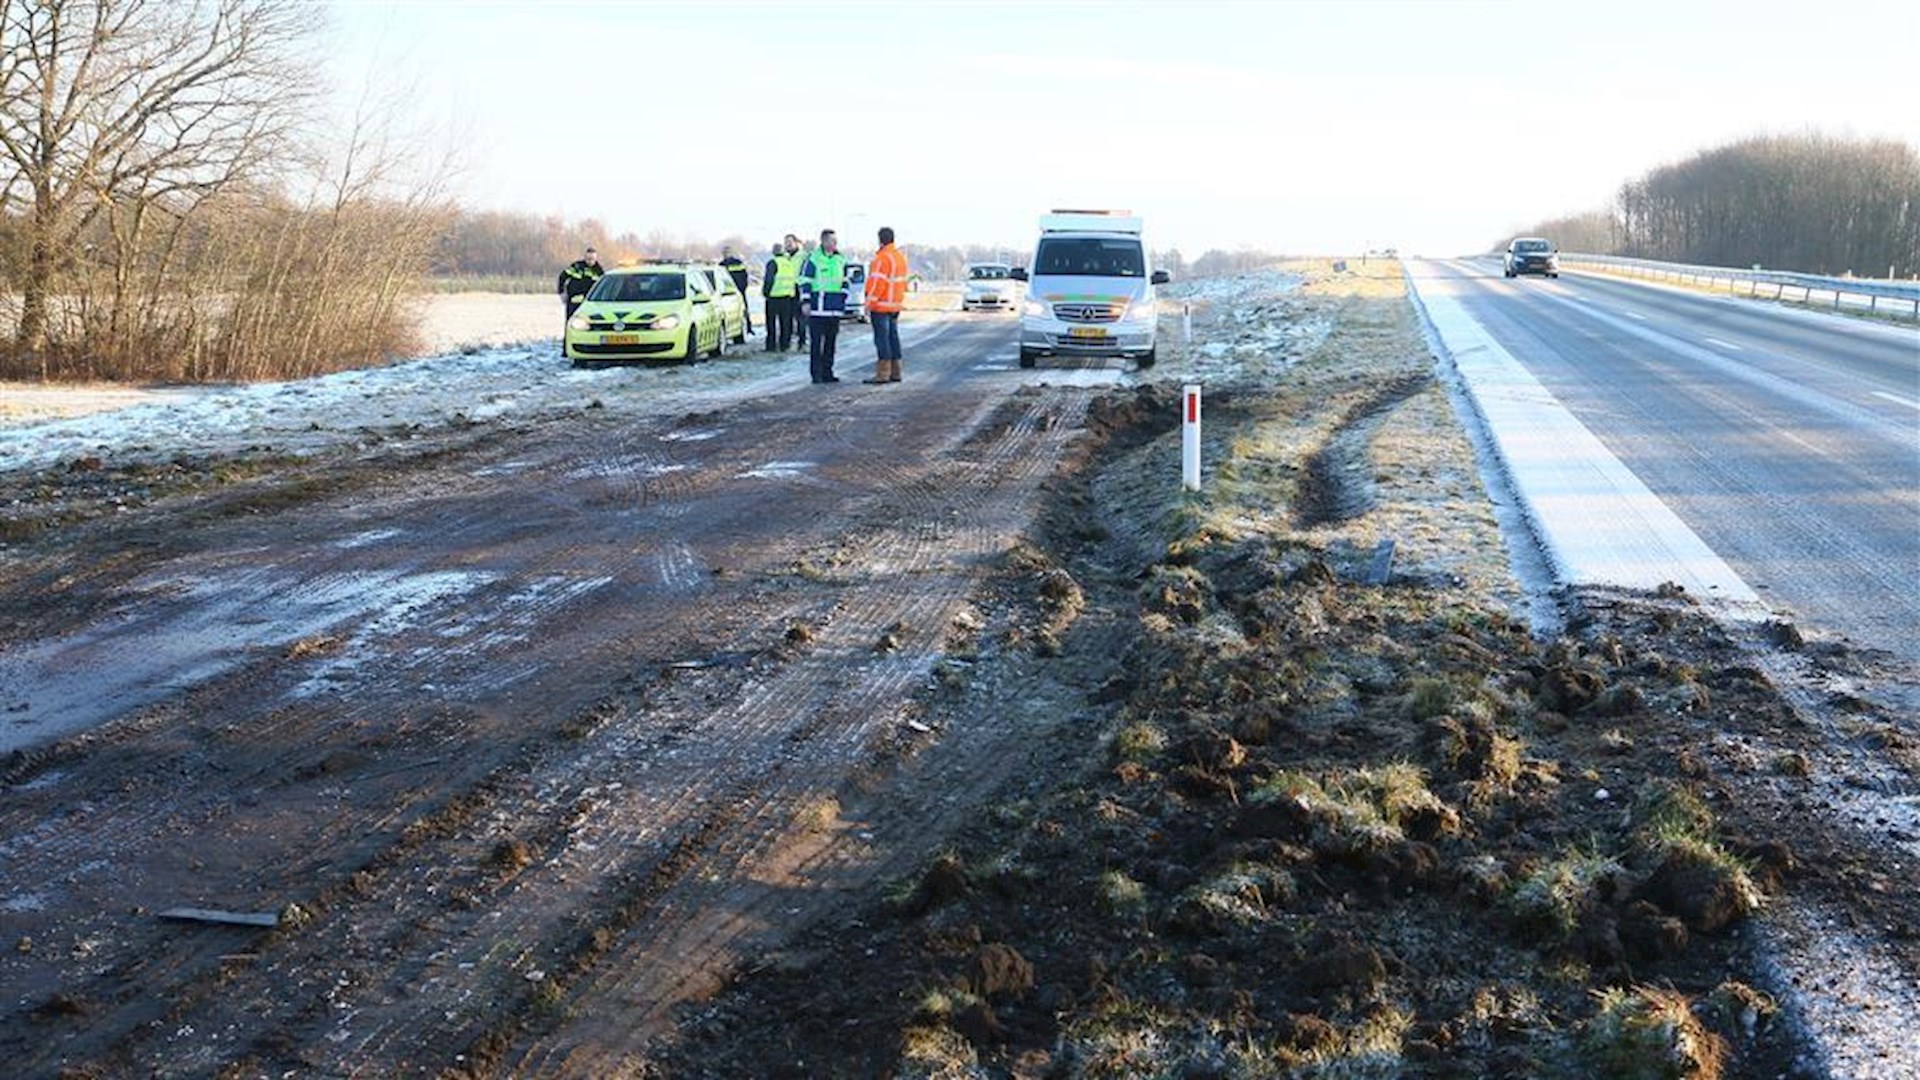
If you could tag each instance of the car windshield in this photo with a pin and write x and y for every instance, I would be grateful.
(1090, 256)
(634, 288)
(1532, 247)
(988, 273)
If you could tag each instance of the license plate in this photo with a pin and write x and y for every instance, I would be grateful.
(620, 339)
(1086, 332)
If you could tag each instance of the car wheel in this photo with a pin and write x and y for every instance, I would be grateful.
(1148, 360)
(1028, 357)
(719, 339)
(741, 337)
(692, 353)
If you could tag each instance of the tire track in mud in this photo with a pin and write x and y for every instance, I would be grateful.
(752, 728)
(684, 942)
(1337, 482)
(294, 995)
(176, 807)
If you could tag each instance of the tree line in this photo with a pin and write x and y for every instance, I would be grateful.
(494, 244)
(1811, 203)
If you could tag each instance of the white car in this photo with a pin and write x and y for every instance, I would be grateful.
(990, 287)
(856, 310)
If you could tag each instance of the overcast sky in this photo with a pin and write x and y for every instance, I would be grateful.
(1435, 127)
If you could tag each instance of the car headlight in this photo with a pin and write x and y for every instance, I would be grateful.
(665, 322)
(578, 322)
(1038, 309)
(1142, 311)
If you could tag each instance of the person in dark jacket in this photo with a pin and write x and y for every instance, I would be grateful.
(736, 268)
(575, 281)
(823, 300)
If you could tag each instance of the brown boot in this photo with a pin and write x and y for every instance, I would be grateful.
(893, 368)
(879, 374)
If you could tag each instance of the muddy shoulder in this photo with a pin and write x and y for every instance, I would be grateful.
(1307, 811)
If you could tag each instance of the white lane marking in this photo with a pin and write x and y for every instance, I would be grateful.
(1634, 315)
(1727, 345)
(1897, 399)
(1600, 524)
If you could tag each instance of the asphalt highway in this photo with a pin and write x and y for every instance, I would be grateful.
(1789, 441)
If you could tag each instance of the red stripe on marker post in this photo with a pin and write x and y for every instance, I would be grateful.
(1190, 441)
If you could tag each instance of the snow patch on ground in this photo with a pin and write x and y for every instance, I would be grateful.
(363, 407)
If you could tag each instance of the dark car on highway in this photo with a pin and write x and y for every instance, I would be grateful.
(1532, 255)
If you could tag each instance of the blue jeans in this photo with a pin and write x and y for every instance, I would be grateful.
(886, 335)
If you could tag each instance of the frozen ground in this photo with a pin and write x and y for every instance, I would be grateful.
(496, 355)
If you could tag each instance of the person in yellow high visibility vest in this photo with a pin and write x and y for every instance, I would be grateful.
(780, 284)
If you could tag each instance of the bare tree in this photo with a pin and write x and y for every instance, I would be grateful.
(113, 108)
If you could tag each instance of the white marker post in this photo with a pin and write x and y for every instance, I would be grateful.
(1190, 438)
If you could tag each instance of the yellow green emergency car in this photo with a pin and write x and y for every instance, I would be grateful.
(657, 311)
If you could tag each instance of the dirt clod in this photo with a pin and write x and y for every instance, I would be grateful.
(998, 970)
(1343, 965)
(1705, 893)
(977, 1023)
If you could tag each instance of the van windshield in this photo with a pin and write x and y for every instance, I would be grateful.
(1089, 256)
(634, 288)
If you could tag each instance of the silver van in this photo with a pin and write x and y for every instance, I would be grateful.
(1090, 291)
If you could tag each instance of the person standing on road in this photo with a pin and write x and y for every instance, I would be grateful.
(886, 294)
(781, 284)
(575, 281)
(800, 319)
(736, 268)
(823, 299)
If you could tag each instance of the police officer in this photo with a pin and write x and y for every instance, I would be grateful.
(575, 281)
(781, 285)
(823, 299)
(736, 268)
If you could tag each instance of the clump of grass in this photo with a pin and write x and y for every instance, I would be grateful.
(1364, 810)
(1121, 894)
(1557, 894)
(1667, 813)
(1688, 873)
(934, 1050)
(1242, 894)
(1735, 1006)
(1648, 1033)
(1430, 698)
(1140, 741)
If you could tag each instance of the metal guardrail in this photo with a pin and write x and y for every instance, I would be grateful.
(1896, 294)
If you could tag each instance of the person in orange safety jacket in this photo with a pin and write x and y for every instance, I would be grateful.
(886, 294)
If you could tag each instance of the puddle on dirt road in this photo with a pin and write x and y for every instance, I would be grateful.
(193, 631)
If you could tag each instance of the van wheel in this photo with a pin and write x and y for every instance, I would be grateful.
(1028, 357)
(1148, 360)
